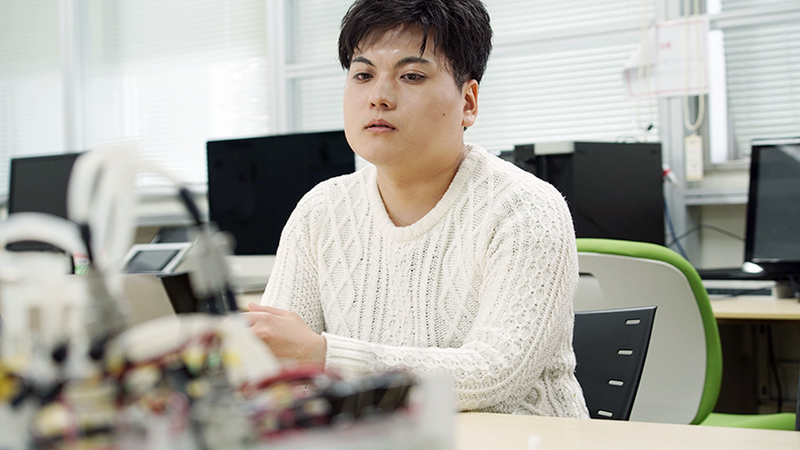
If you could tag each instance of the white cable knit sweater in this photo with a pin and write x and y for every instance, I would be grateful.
(481, 287)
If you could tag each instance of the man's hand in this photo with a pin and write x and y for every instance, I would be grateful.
(286, 334)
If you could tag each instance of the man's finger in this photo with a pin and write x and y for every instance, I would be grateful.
(249, 317)
(255, 307)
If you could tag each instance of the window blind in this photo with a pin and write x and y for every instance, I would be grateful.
(173, 75)
(314, 30)
(520, 17)
(559, 95)
(555, 72)
(30, 82)
(733, 5)
(762, 62)
(316, 80)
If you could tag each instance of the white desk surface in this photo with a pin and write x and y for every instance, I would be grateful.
(755, 308)
(483, 431)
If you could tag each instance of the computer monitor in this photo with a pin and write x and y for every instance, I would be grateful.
(39, 184)
(255, 183)
(772, 237)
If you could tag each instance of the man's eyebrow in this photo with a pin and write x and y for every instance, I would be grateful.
(403, 62)
(411, 60)
(364, 60)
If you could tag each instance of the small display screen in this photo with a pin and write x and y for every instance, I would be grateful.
(149, 261)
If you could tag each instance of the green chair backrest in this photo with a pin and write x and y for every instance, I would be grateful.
(683, 372)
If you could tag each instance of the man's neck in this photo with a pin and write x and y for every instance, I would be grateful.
(409, 197)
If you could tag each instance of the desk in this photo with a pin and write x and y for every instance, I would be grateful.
(482, 431)
(735, 308)
(746, 327)
(755, 308)
(746, 384)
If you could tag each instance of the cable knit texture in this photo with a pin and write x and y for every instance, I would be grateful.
(481, 287)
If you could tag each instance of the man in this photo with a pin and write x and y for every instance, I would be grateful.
(438, 256)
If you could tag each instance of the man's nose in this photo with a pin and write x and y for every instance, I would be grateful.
(382, 95)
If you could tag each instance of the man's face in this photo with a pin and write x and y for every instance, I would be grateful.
(402, 109)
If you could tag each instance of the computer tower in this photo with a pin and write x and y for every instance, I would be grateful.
(614, 190)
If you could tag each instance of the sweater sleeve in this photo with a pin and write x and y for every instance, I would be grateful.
(521, 340)
(292, 283)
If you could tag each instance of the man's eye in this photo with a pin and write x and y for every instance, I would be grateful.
(362, 76)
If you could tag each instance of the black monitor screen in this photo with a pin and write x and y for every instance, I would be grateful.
(39, 184)
(773, 208)
(255, 183)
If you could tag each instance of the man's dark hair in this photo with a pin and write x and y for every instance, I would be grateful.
(460, 28)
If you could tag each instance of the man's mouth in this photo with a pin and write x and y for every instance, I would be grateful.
(379, 125)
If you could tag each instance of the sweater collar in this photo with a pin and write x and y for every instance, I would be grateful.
(422, 226)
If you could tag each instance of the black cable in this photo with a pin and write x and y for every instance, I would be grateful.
(710, 227)
(86, 235)
(186, 196)
(671, 227)
(71, 259)
(723, 231)
(223, 300)
(683, 235)
(774, 366)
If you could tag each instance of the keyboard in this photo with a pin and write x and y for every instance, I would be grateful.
(735, 288)
(734, 292)
(732, 273)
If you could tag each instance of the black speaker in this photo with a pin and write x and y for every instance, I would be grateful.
(614, 190)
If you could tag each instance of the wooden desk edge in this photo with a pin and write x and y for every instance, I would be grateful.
(755, 308)
(476, 431)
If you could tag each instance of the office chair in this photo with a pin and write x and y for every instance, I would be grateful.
(775, 421)
(610, 349)
(682, 374)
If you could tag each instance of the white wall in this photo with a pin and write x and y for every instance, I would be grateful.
(723, 217)
(717, 249)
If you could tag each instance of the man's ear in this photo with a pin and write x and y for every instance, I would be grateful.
(470, 94)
